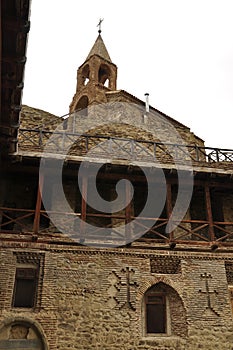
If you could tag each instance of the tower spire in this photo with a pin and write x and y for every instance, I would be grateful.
(96, 76)
(99, 25)
(99, 49)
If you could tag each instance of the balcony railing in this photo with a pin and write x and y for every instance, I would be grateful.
(21, 222)
(119, 148)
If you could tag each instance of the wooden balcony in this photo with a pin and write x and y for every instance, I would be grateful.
(32, 222)
(25, 224)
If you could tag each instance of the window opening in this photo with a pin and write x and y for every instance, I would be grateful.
(155, 313)
(25, 287)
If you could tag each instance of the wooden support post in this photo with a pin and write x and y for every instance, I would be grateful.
(83, 208)
(36, 224)
(209, 212)
(169, 208)
(128, 210)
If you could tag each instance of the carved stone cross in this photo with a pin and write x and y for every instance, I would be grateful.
(129, 283)
(126, 282)
(207, 291)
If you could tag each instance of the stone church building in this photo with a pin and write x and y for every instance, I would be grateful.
(116, 222)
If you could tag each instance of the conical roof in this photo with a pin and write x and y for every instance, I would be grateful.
(99, 49)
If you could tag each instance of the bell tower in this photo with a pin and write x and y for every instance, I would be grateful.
(95, 77)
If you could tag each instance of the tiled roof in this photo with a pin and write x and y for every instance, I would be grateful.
(99, 49)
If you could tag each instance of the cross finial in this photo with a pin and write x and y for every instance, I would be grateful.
(99, 25)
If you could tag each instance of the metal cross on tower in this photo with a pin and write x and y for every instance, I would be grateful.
(99, 25)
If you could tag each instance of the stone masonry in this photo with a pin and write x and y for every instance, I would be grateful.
(97, 298)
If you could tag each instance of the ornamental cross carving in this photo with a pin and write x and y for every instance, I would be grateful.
(207, 277)
(126, 285)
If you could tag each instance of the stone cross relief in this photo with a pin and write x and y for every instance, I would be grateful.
(123, 286)
(207, 277)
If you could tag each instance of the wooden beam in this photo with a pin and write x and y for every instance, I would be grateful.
(83, 208)
(128, 211)
(36, 224)
(209, 212)
(169, 207)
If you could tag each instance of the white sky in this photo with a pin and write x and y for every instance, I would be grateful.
(180, 51)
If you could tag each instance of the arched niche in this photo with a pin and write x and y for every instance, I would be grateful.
(104, 75)
(81, 106)
(85, 74)
(21, 334)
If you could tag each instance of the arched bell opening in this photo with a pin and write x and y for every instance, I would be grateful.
(104, 75)
(85, 74)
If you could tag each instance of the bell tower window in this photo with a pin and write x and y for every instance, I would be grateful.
(86, 74)
(104, 75)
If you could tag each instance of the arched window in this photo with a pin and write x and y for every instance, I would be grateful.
(22, 334)
(163, 311)
(104, 75)
(85, 74)
(156, 313)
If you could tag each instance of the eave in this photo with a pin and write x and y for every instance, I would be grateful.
(15, 26)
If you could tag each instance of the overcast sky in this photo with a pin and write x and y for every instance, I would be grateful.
(180, 51)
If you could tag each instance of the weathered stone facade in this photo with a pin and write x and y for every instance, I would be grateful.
(88, 294)
(88, 303)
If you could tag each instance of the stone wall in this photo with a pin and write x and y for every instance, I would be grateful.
(35, 119)
(120, 118)
(128, 120)
(93, 299)
(114, 119)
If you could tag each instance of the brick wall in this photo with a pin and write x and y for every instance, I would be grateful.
(87, 303)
